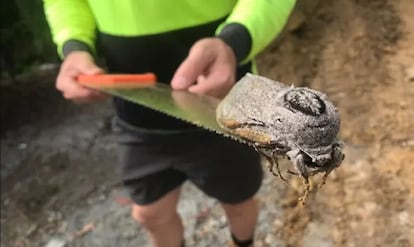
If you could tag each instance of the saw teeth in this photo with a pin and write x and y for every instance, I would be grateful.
(222, 132)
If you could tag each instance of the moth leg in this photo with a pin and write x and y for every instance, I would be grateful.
(277, 166)
(337, 158)
(272, 160)
(307, 188)
(292, 172)
(271, 163)
(304, 175)
(325, 176)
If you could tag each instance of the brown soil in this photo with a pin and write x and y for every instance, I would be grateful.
(359, 52)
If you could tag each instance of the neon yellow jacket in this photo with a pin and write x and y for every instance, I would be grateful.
(78, 19)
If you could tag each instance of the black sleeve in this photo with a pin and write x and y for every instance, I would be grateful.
(238, 38)
(75, 45)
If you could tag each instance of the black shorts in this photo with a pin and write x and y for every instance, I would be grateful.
(155, 162)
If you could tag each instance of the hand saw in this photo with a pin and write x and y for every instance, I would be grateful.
(143, 89)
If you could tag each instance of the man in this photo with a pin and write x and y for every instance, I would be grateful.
(199, 46)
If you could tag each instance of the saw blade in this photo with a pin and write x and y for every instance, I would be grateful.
(196, 109)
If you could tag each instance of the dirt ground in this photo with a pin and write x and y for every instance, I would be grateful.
(60, 183)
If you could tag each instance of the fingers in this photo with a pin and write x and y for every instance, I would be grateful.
(216, 83)
(216, 86)
(220, 76)
(66, 82)
(76, 64)
(88, 67)
(210, 68)
(197, 62)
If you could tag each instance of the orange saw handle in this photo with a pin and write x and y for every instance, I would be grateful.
(117, 80)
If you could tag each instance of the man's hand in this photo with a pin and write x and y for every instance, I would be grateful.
(210, 68)
(77, 63)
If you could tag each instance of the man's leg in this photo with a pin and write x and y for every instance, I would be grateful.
(228, 171)
(242, 218)
(161, 220)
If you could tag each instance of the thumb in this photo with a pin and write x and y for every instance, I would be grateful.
(88, 67)
(189, 70)
(91, 69)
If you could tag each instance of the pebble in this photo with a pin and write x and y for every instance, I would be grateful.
(409, 143)
(404, 218)
(31, 229)
(56, 242)
(102, 197)
(410, 74)
(54, 216)
(22, 146)
(48, 66)
(317, 235)
(6, 202)
(270, 239)
(129, 233)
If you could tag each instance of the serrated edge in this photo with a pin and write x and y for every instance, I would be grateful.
(198, 124)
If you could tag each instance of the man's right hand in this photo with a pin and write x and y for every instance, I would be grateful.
(78, 63)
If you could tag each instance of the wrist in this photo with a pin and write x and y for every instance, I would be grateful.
(238, 38)
(228, 51)
(72, 46)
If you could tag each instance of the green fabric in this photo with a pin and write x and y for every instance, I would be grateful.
(70, 19)
(263, 19)
(78, 19)
(142, 17)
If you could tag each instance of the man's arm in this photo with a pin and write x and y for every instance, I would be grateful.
(253, 24)
(210, 66)
(73, 30)
(72, 25)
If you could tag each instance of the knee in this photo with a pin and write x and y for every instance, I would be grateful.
(151, 217)
(241, 208)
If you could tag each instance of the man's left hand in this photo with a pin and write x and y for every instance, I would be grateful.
(210, 68)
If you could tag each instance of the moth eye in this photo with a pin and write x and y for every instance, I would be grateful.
(280, 146)
(309, 163)
(305, 101)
